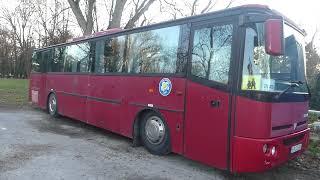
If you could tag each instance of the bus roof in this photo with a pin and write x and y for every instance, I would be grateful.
(249, 8)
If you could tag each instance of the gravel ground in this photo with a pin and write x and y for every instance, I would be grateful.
(36, 146)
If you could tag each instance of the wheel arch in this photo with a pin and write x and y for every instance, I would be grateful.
(136, 125)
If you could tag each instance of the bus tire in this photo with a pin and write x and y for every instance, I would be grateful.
(53, 105)
(155, 134)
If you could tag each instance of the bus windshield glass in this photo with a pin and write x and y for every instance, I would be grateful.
(264, 72)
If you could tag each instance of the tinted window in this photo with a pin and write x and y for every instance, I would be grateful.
(99, 57)
(113, 54)
(265, 72)
(183, 48)
(56, 63)
(77, 58)
(92, 56)
(36, 61)
(154, 51)
(211, 53)
(109, 55)
(47, 57)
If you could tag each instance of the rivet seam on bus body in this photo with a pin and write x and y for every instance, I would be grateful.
(150, 105)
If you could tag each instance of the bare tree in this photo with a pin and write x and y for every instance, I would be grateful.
(138, 10)
(20, 23)
(5, 53)
(189, 8)
(140, 7)
(54, 22)
(115, 14)
(85, 19)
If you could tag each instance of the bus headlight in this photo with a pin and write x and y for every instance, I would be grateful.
(265, 148)
(273, 150)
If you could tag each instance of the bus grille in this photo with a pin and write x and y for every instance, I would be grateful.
(293, 140)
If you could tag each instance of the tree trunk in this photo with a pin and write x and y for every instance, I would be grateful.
(115, 20)
(86, 25)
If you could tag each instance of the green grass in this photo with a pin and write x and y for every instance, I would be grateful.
(14, 92)
(313, 117)
(314, 147)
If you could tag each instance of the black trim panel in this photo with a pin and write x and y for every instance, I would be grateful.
(156, 107)
(272, 96)
(181, 75)
(105, 100)
(116, 101)
(72, 94)
(301, 123)
(113, 101)
(69, 73)
(276, 128)
(210, 83)
(293, 140)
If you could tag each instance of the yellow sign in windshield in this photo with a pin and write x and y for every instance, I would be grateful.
(251, 82)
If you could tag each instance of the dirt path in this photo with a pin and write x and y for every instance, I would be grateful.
(35, 146)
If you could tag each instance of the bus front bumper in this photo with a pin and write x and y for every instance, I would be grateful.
(255, 155)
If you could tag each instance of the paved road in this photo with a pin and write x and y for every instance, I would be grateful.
(36, 146)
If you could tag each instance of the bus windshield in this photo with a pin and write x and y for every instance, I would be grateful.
(264, 72)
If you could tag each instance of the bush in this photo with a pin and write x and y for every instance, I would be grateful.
(314, 147)
(313, 117)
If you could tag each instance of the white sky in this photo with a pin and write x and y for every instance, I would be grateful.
(306, 13)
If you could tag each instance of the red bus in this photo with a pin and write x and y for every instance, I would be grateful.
(227, 88)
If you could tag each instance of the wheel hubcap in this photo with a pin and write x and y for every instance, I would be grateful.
(155, 130)
(52, 104)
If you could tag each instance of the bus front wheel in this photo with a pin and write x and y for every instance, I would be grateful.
(155, 134)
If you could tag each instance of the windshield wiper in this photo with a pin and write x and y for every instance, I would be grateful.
(291, 84)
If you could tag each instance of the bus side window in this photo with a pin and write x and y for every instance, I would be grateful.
(36, 62)
(77, 57)
(211, 53)
(46, 58)
(56, 63)
(113, 59)
(99, 59)
(154, 51)
(109, 55)
(92, 56)
(182, 54)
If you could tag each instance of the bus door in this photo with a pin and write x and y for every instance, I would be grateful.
(76, 80)
(38, 83)
(208, 94)
(103, 103)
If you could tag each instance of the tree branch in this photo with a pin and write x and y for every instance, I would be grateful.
(142, 9)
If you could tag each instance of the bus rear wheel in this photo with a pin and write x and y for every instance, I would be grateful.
(53, 105)
(155, 134)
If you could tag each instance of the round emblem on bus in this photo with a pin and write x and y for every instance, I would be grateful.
(165, 86)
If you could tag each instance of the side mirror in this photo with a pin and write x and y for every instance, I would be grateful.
(274, 43)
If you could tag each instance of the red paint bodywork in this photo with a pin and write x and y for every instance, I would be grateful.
(197, 130)
(230, 136)
(206, 127)
(258, 120)
(38, 83)
(113, 102)
(248, 155)
(253, 128)
(274, 36)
